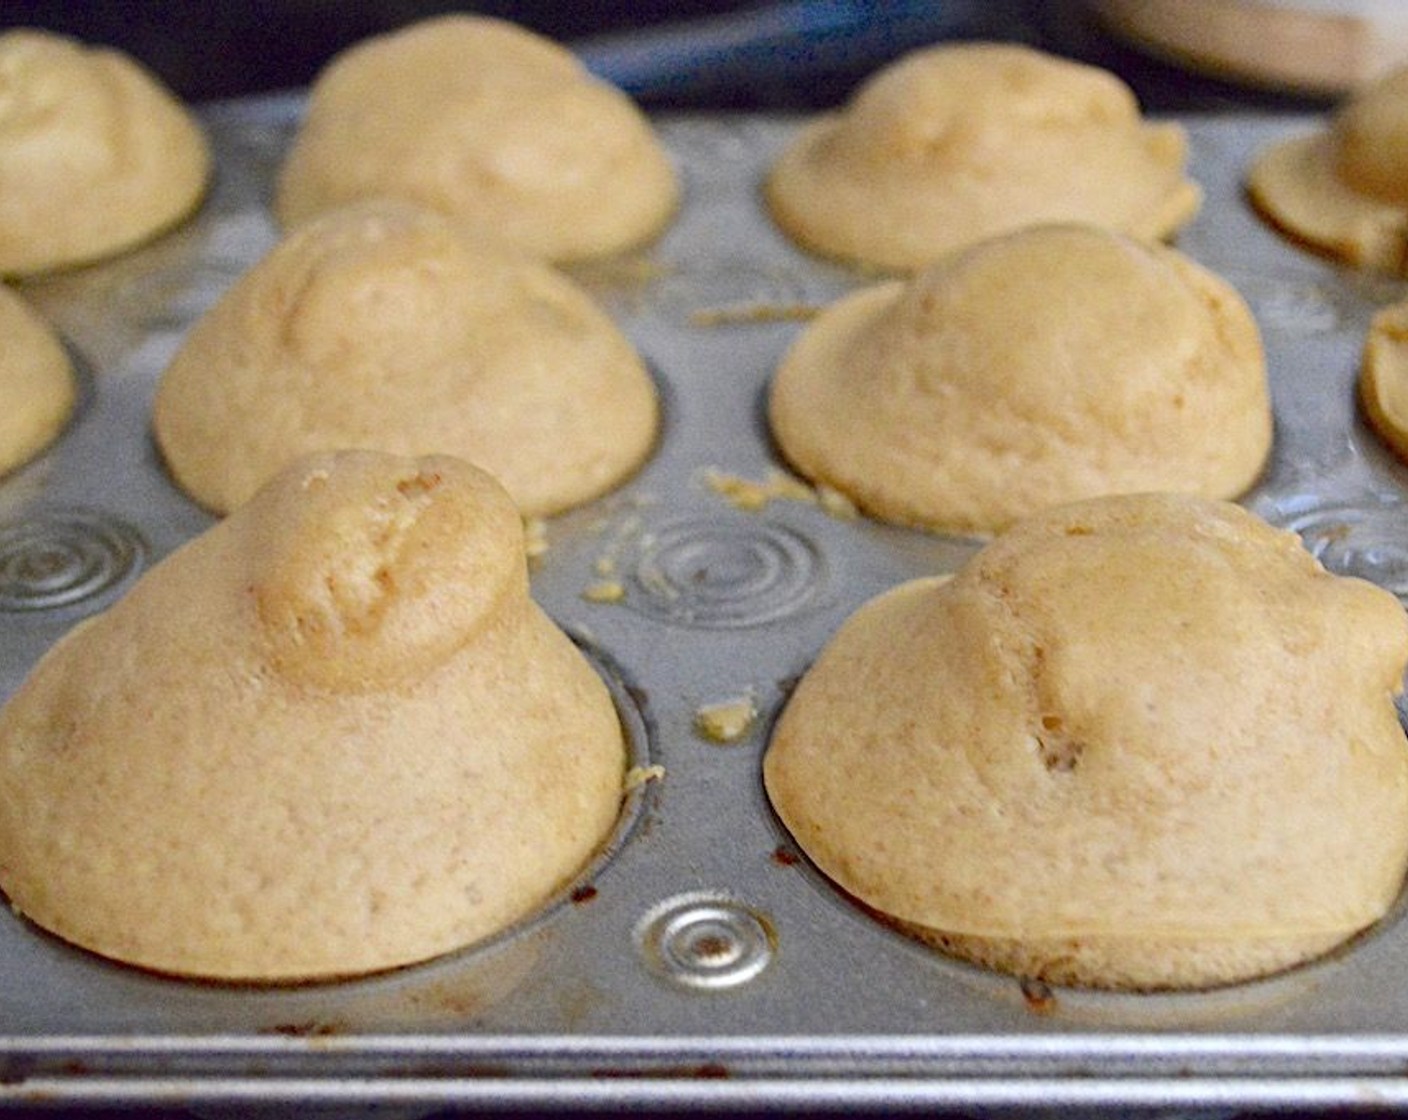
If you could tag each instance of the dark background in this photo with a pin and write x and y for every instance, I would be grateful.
(700, 54)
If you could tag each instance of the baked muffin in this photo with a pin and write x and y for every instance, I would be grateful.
(331, 735)
(388, 326)
(1383, 376)
(1138, 742)
(37, 393)
(96, 156)
(1343, 190)
(490, 123)
(955, 143)
(1043, 366)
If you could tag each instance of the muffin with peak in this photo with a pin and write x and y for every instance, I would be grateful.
(1138, 742)
(332, 735)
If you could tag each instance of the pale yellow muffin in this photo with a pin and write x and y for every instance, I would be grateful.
(331, 735)
(1344, 189)
(1383, 376)
(387, 326)
(96, 156)
(37, 392)
(1043, 366)
(491, 123)
(955, 143)
(1143, 741)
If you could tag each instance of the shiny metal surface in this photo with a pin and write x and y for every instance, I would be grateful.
(704, 963)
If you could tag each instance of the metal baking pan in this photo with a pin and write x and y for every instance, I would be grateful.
(702, 962)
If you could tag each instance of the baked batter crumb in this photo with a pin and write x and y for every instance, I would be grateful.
(605, 591)
(726, 721)
(535, 537)
(836, 503)
(1038, 996)
(620, 536)
(753, 313)
(751, 496)
(639, 775)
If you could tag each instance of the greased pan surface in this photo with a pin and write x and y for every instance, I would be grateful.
(701, 961)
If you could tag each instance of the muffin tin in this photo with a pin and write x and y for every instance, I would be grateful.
(701, 961)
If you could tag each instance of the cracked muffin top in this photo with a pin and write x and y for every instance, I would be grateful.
(331, 735)
(1139, 741)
